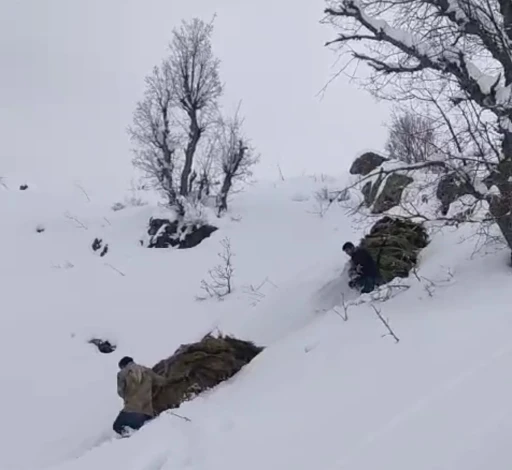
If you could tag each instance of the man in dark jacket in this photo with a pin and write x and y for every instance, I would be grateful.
(364, 269)
(135, 387)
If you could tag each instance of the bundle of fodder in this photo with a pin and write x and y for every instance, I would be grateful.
(395, 245)
(197, 367)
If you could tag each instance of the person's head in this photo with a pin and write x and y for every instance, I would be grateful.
(349, 248)
(125, 361)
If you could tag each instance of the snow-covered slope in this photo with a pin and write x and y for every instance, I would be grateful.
(325, 393)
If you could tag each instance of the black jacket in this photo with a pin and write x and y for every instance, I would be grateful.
(364, 263)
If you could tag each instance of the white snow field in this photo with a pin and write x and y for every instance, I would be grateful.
(325, 394)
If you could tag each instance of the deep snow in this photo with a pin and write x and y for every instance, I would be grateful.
(324, 394)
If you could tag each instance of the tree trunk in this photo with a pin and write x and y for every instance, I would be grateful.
(500, 206)
(168, 186)
(505, 225)
(193, 139)
(224, 192)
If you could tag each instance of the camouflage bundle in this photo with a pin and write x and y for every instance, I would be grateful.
(197, 367)
(395, 244)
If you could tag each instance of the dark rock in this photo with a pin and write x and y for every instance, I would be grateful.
(197, 235)
(366, 163)
(499, 177)
(105, 347)
(156, 224)
(450, 188)
(165, 234)
(370, 190)
(23, 187)
(96, 244)
(367, 193)
(391, 194)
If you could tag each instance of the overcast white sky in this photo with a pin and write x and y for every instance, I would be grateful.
(72, 70)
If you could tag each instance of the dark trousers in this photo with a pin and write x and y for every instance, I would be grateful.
(365, 284)
(130, 420)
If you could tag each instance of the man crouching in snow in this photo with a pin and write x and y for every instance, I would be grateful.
(135, 387)
(365, 274)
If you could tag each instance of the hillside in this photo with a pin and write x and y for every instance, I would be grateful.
(325, 393)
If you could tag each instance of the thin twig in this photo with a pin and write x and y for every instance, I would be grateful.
(386, 324)
(280, 172)
(74, 219)
(181, 417)
(83, 191)
(115, 269)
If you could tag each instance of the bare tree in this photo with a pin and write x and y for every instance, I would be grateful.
(456, 57)
(220, 282)
(237, 157)
(153, 133)
(412, 138)
(194, 71)
(181, 95)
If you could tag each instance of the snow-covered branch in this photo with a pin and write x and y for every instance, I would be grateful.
(420, 51)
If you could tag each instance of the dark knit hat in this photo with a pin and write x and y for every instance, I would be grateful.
(125, 361)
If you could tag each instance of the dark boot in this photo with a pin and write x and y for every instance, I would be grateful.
(127, 420)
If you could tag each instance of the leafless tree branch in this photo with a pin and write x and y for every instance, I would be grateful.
(386, 324)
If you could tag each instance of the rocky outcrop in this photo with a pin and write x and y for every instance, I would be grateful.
(391, 194)
(366, 163)
(165, 233)
(370, 190)
(449, 189)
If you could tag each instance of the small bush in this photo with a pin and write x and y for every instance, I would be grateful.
(412, 138)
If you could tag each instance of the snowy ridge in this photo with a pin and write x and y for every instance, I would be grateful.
(325, 393)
